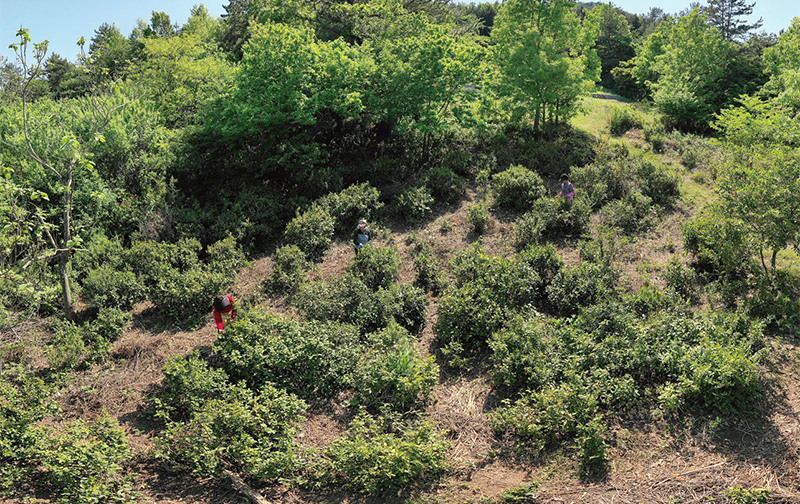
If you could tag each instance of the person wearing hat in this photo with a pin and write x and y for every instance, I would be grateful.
(223, 309)
(567, 190)
(362, 236)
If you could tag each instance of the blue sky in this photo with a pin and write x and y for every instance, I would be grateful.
(63, 22)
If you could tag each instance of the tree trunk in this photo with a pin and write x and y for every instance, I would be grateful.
(64, 257)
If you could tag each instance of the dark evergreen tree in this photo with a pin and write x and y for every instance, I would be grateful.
(729, 17)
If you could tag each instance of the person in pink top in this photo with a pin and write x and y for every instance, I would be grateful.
(223, 309)
(567, 190)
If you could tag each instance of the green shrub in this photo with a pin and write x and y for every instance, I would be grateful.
(393, 371)
(520, 359)
(602, 181)
(721, 378)
(26, 401)
(351, 205)
(311, 231)
(406, 304)
(309, 359)
(719, 245)
(289, 271)
(253, 434)
(540, 419)
(189, 383)
(623, 119)
(680, 278)
(631, 214)
(650, 299)
(75, 345)
(376, 266)
(345, 299)
(774, 300)
(178, 283)
(468, 316)
(428, 268)
(226, 255)
(579, 286)
(108, 287)
(414, 204)
(549, 218)
(478, 217)
(186, 296)
(517, 187)
(110, 323)
(604, 248)
(83, 463)
(656, 181)
(381, 457)
(444, 184)
(754, 495)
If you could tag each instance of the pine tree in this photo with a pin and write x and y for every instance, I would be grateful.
(727, 16)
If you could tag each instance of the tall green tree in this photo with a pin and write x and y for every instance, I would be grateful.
(729, 17)
(783, 67)
(759, 181)
(543, 58)
(58, 138)
(614, 40)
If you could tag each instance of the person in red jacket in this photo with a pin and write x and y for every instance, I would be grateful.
(223, 309)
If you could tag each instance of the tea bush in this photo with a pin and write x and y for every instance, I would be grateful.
(478, 217)
(602, 181)
(517, 187)
(468, 316)
(376, 266)
(632, 214)
(551, 218)
(719, 245)
(350, 205)
(83, 463)
(393, 371)
(307, 358)
(189, 383)
(184, 296)
(345, 299)
(521, 358)
(605, 247)
(579, 286)
(656, 181)
(381, 456)
(289, 270)
(225, 255)
(312, 231)
(406, 304)
(623, 119)
(681, 279)
(774, 300)
(540, 419)
(109, 287)
(414, 204)
(649, 299)
(27, 399)
(429, 268)
(253, 434)
(444, 184)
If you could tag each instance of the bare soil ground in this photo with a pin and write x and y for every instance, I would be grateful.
(652, 459)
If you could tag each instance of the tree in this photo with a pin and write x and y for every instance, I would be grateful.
(57, 138)
(783, 67)
(614, 41)
(726, 16)
(759, 182)
(110, 52)
(543, 58)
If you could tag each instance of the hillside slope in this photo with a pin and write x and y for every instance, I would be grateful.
(653, 459)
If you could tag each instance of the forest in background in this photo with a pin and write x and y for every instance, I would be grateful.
(166, 161)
